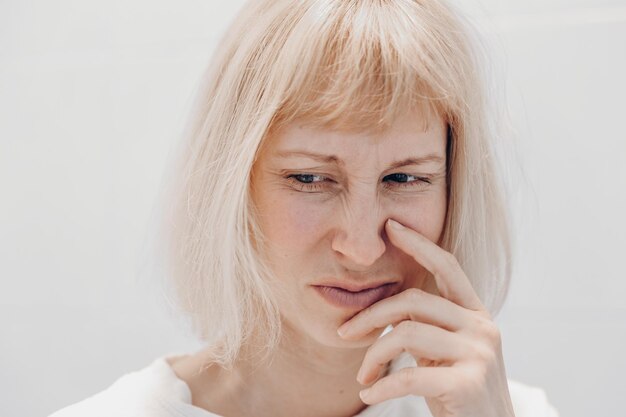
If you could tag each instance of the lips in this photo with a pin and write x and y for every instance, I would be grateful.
(345, 285)
(343, 298)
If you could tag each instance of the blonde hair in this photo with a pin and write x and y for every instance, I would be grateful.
(345, 64)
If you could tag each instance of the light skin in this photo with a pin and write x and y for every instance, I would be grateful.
(328, 218)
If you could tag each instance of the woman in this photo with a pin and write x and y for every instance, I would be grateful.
(337, 234)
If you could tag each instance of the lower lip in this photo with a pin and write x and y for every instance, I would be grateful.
(355, 300)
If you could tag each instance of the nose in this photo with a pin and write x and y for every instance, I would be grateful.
(359, 237)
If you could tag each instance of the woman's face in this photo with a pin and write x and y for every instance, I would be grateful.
(323, 197)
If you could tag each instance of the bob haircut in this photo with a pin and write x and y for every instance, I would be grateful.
(343, 64)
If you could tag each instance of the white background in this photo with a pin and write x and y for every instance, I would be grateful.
(94, 94)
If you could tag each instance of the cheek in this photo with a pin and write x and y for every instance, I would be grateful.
(295, 222)
(427, 215)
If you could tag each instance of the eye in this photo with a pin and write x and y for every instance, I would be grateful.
(306, 182)
(315, 182)
(407, 180)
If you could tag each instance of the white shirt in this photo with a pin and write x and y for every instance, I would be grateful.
(156, 391)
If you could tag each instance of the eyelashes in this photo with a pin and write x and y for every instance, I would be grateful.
(316, 182)
(306, 185)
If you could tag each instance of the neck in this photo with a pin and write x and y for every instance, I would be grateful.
(301, 378)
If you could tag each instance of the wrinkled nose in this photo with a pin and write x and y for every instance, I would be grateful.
(359, 238)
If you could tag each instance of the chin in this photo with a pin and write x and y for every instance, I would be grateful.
(321, 328)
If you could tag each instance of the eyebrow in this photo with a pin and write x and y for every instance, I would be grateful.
(333, 159)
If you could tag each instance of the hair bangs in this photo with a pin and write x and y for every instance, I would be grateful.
(362, 71)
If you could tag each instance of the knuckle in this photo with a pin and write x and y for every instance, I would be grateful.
(469, 379)
(495, 336)
(482, 352)
(407, 378)
(490, 331)
(406, 331)
(414, 295)
(487, 328)
(485, 314)
(405, 328)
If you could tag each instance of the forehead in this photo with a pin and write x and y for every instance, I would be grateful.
(408, 133)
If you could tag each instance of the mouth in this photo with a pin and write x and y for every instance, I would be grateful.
(346, 299)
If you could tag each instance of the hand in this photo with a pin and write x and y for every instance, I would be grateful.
(456, 345)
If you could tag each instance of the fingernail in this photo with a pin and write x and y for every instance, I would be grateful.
(364, 393)
(395, 224)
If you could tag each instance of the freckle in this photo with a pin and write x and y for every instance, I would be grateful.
(340, 391)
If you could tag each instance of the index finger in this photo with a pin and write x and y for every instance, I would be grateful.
(452, 283)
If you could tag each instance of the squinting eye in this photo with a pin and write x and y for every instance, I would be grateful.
(307, 178)
(404, 180)
(314, 182)
(306, 181)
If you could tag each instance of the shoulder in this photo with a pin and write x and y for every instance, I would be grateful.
(143, 393)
